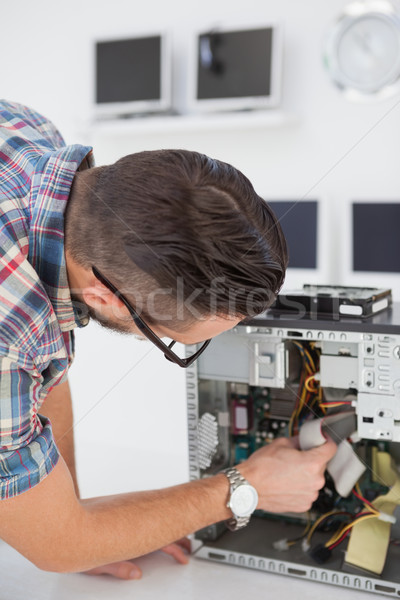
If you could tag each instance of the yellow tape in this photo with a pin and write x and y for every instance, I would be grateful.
(369, 540)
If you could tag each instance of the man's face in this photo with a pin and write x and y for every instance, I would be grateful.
(104, 307)
(199, 331)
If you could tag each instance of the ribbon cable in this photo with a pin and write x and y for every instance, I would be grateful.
(345, 467)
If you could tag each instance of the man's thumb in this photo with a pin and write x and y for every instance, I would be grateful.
(326, 451)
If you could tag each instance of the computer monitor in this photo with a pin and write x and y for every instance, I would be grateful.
(372, 250)
(132, 75)
(303, 223)
(236, 69)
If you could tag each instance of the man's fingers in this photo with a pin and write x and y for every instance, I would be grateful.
(293, 442)
(124, 569)
(324, 452)
(177, 552)
(185, 544)
(127, 569)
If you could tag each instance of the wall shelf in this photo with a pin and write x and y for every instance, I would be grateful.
(232, 121)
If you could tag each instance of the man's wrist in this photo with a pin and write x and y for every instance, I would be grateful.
(224, 485)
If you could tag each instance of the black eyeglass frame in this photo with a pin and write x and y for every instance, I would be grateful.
(145, 329)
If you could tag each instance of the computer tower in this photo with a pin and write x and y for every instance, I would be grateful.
(244, 392)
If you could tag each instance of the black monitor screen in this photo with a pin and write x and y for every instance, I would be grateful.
(299, 224)
(234, 64)
(128, 70)
(376, 237)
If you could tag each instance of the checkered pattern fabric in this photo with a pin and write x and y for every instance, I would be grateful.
(36, 313)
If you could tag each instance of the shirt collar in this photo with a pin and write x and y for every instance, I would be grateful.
(50, 190)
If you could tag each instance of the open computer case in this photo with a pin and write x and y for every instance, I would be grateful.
(268, 378)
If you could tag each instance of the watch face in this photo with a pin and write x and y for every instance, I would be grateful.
(244, 500)
(363, 51)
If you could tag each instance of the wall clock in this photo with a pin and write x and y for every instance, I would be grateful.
(362, 52)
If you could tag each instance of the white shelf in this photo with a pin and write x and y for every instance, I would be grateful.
(231, 121)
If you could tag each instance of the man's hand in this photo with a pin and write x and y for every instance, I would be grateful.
(287, 479)
(127, 569)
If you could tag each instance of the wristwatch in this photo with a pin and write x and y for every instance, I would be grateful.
(242, 501)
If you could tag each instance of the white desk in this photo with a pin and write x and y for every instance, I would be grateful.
(162, 579)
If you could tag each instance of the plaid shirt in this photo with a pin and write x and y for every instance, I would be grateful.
(36, 313)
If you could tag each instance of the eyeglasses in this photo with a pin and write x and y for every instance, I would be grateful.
(145, 329)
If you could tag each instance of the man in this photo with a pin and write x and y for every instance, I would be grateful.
(167, 243)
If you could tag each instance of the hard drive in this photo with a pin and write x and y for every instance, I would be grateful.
(334, 301)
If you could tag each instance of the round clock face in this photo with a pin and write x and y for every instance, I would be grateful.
(244, 500)
(363, 51)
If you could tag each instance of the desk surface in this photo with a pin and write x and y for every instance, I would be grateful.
(162, 579)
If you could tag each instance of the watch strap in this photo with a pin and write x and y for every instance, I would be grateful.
(235, 479)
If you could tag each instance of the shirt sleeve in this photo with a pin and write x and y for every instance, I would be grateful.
(27, 449)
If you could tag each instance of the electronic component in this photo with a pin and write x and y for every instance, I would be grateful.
(242, 409)
(235, 69)
(371, 243)
(269, 377)
(377, 221)
(132, 75)
(301, 240)
(307, 227)
(333, 301)
(207, 439)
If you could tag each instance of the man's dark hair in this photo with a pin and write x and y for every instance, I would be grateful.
(186, 230)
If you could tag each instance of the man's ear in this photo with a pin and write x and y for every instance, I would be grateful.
(98, 296)
(94, 297)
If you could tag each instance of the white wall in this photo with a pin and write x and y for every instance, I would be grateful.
(334, 150)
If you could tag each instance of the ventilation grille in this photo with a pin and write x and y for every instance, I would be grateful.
(207, 439)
